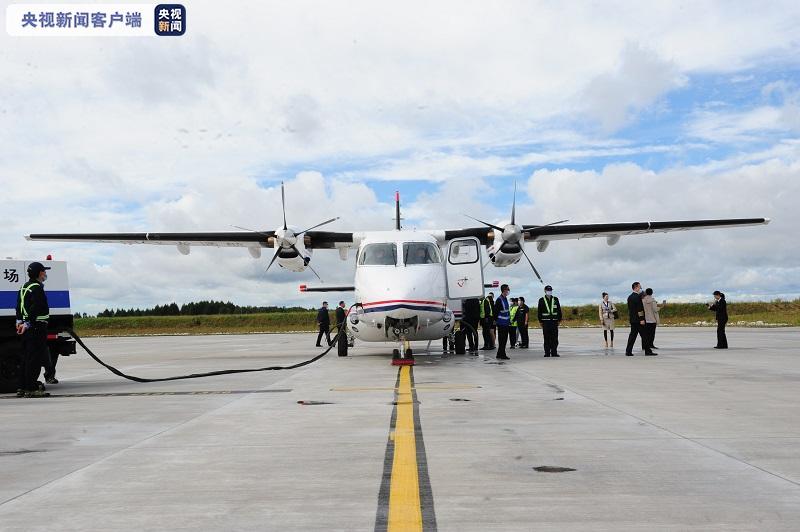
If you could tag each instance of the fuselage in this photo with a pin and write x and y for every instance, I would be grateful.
(400, 288)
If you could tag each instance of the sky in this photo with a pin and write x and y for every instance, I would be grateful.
(598, 112)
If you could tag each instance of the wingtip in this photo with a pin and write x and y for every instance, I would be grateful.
(767, 221)
(28, 237)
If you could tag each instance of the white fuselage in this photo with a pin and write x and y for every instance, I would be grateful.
(400, 288)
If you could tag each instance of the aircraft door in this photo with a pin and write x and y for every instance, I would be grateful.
(464, 272)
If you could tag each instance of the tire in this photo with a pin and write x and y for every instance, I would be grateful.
(10, 357)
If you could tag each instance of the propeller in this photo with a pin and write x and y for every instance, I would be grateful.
(514, 235)
(286, 238)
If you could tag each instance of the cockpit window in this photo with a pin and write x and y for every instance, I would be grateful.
(378, 255)
(420, 253)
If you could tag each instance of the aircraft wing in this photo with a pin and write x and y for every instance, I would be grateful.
(316, 239)
(612, 231)
(616, 230)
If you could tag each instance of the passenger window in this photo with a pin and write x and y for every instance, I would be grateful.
(464, 252)
(378, 255)
(420, 253)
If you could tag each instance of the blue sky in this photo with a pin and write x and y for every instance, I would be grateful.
(609, 112)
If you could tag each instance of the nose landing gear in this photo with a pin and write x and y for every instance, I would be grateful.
(408, 355)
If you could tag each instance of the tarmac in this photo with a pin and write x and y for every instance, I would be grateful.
(693, 439)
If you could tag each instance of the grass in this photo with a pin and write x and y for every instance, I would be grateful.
(776, 313)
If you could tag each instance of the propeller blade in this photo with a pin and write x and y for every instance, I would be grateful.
(283, 204)
(514, 204)
(275, 256)
(485, 223)
(532, 266)
(315, 273)
(251, 230)
(318, 225)
(554, 223)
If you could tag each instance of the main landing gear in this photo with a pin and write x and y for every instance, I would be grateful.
(408, 355)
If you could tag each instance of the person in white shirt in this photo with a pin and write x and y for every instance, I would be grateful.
(607, 310)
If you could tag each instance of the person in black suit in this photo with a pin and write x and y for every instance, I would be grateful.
(522, 322)
(324, 324)
(721, 308)
(636, 317)
(471, 315)
(341, 329)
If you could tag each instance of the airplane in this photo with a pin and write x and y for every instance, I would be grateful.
(405, 278)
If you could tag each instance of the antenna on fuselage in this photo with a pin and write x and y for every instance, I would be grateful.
(397, 210)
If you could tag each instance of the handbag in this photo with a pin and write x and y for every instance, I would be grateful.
(615, 312)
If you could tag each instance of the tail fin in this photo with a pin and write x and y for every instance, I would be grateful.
(397, 210)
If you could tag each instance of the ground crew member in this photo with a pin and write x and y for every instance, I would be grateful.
(487, 321)
(721, 308)
(341, 330)
(522, 322)
(512, 330)
(502, 309)
(324, 324)
(636, 317)
(469, 319)
(33, 314)
(549, 314)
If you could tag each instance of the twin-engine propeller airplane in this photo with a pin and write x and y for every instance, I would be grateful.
(404, 278)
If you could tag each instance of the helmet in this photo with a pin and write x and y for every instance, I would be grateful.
(35, 268)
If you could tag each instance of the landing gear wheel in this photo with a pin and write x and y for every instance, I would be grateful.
(409, 353)
(395, 354)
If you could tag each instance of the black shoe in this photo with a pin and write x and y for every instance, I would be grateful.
(556, 355)
(628, 354)
(503, 357)
(651, 354)
(547, 356)
(51, 380)
(318, 345)
(20, 393)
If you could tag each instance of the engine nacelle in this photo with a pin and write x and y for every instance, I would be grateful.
(510, 254)
(291, 260)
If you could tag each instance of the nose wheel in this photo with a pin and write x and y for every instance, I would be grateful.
(407, 359)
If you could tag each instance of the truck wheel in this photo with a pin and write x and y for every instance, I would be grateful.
(10, 357)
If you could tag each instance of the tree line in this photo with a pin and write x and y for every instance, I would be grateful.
(194, 309)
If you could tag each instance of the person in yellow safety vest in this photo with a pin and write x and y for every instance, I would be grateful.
(33, 313)
(487, 321)
(512, 331)
(550, 316)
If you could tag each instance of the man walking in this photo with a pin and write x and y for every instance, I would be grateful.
(324, 324)
(469, 319)
(549, 314)
(341, 330)
(636, 318)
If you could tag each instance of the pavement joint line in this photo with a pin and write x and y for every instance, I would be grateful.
(133, 445)
(650, 423)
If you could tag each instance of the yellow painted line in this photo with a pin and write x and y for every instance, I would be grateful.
(423, 387)
(405, 511)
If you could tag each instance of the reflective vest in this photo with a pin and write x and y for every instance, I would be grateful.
(23, 293)
(486, 303)
(513, 313)
(503, 317)
(550, 310)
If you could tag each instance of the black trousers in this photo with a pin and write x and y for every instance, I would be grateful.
(323, 329)
(502, 339)
(512, 335)
(650, 330)
(550, 332)
(34, 351)
(471, 330)
(722, 340)
(637, 330)
(523, 335)
(487, 333)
